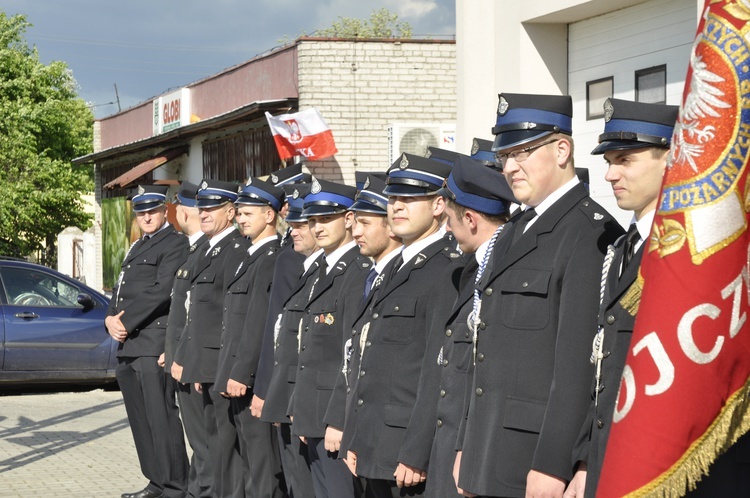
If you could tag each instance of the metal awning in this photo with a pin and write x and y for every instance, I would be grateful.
(137, 172)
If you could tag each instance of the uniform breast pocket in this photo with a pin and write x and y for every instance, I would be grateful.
(238, 294)
(204, 288)
(400, 315)
(525, 298)
(145, 268)
(324, 318)
(459, 355)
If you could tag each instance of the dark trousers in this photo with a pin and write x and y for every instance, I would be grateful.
(331, 476)
(729, 475)
(294, 463)
(156, 426)
(224, 447)
(381, 488)
(200, 478)
(259, 450)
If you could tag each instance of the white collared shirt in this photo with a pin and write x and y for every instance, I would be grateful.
(192, 239)
(412, 250)
(307, 263)
(256, 246)
(551, 199)
(335, 256)
(644, 228)
(218, 237)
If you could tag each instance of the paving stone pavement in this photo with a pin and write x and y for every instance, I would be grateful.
(66, 444)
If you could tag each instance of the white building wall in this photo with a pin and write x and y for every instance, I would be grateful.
(362, 88)
(554, 47)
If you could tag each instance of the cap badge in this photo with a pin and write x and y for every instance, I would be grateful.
(367, 183)
(295, 194)
(204, 185)
(502, 106)
(141, 190)
(249, 180)
(274, 179)
(474, 147)
(316, 188)
(404, 162)
(609, 110)
(428, 154)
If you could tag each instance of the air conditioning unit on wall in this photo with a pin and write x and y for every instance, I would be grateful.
(415, 138)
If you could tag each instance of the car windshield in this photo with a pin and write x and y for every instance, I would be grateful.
(29, 287)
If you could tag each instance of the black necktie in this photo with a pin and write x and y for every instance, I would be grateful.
(371, 276)
(524, 220)
(397, 262)
(628, 249)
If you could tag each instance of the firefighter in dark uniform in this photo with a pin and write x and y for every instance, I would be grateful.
(248, 281)
(287, 176)
(199, 477)
(635, 145)
(527, 395)
(478, 203)
(137, 318)
(272, 402)
(197, 356)
(333, 299)
(394, 334)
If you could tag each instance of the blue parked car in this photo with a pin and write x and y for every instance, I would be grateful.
(52, 328)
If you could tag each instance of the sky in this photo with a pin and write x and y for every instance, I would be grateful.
(147, 48)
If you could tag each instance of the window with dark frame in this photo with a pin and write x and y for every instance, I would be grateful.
(234, 158)
(651, 85)
(597, 91)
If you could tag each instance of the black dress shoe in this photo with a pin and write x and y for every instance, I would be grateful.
(144, 493)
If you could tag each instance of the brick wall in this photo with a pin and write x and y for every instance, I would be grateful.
(361, 88)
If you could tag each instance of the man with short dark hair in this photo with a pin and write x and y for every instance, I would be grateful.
(137, 319)
(197, 357)
(527, 395)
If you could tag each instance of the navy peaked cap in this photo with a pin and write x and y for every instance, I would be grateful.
(256, 192)
(523, 118)
(186, 194)
(212, 193)
(633, 125)
(148, 197)
(370, 198)
(412, 175)
(475, 186)
(328, 198)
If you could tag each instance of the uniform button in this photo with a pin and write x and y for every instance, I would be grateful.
(276, 363)
(466, 334)
(228, 293)
(488, 291)
(362, 373)
(348, 390)
(375, 316)
(301, 367)
(368, 344)
(307, 311)
(348, 370)
(448, 332)
(445, 363)
(303, 347)
(354, 331)
(439, 423)
(225, 309)
(360, 402)
(442, 393)
(284, 308)
(525, 284)
(610, 319)
(128, 266)
(599, 423)
(482, 325)
(479, 391)
(307, 328)
(586, 203)
(480, 357)
(122, 283)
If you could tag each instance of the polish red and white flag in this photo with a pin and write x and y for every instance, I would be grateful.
(304, 133)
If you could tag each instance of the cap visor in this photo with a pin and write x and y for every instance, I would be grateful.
(511, 139)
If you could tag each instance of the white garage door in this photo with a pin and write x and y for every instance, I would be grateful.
(620, 45)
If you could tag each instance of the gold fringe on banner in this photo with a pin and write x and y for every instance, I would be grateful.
(729, 426)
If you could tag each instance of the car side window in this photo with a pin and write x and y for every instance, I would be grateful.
(27, 287)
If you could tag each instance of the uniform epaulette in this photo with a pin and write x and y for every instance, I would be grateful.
(593, 211)
(451, 253)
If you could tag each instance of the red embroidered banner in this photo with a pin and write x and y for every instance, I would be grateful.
(684, 393)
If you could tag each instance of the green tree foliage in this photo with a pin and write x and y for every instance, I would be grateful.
(43, 126)
(382, 24)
